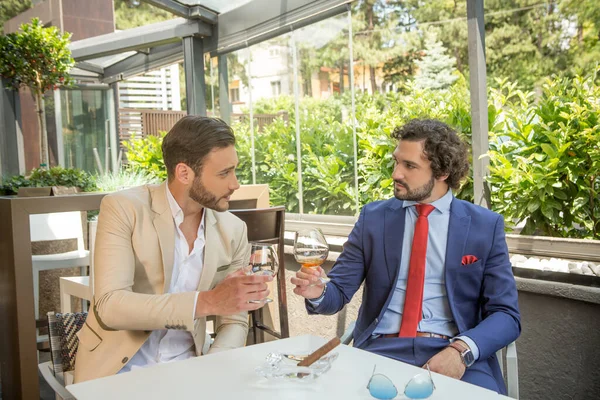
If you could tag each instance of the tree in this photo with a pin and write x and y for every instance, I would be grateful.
(435, 69)
(37, 58)
(10, 9)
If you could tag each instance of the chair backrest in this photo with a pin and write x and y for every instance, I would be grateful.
(267, 225)
(57, 226)
(264, 224)
(62, 329)
(243, 204)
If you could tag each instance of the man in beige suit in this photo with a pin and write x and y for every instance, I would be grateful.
(169, 255)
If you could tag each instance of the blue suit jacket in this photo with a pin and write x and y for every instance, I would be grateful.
(482, 295)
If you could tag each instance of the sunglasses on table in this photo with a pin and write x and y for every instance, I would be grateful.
(421, 386)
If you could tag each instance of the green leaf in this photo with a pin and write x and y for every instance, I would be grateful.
(548, 150)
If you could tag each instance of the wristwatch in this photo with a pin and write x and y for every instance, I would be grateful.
(465, 354)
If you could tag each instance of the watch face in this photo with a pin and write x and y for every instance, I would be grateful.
(468, 358)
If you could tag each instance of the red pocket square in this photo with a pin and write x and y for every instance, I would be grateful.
(466, 260)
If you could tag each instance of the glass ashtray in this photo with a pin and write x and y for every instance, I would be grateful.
(282, 366)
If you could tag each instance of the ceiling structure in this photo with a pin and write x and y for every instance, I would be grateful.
(222, 26)
(219, 27)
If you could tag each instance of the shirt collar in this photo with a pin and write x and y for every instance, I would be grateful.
(177, 212)
(442, 204)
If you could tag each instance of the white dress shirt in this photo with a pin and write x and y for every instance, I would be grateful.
(173, 345)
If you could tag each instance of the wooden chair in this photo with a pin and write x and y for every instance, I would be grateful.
(267, 225)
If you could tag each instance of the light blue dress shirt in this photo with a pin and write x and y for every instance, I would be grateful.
(437, 316)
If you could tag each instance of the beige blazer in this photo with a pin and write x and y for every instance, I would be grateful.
(133, 263)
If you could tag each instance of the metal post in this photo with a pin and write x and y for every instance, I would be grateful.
(113, 115)
(252, 148)
(193, 64)
(298, 144)
(224, 104)
(479, 109)
(354, 138)
(212, 87)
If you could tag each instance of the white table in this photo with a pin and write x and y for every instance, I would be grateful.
(230, 375)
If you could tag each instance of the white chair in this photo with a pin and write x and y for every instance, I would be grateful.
(57, 226)
(80, 287)
(512, 370)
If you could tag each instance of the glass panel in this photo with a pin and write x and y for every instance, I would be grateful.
(85, 135)
(239, 103)
(211, 76)
(409, 62)
(542, 63)
(325, 117)
(273, 105)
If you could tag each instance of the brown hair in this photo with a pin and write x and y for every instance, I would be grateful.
(443, 148)
(191, 139)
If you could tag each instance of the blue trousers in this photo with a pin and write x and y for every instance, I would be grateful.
(417, 351)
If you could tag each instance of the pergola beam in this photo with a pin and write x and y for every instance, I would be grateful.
(181, 10)
(134, 39)
(140, 63)
(86, 66)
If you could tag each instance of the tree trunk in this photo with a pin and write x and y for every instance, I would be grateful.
(364, 74)
(458, 60)
(42, 130)
(373, 82)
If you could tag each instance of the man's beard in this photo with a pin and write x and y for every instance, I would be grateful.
(418, 194)
(205, 198)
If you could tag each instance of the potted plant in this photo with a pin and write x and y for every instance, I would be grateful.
(37, 58)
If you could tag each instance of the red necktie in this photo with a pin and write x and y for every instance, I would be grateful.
(413, 302)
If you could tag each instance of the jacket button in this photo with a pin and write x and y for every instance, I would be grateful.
(183, 327)
(124, 360)
(167, 326)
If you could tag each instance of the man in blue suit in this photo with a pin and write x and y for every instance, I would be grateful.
(457, 306)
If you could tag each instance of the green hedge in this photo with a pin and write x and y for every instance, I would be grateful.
(544, 154)
(545, 157)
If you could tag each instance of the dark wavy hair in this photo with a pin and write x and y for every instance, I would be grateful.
(443, 148)
(191, 139)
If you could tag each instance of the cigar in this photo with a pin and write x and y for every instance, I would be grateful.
(320, 352)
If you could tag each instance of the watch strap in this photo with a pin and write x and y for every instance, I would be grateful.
(461, 350)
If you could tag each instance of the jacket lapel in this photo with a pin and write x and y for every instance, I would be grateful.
(165, 230)
(212, 249)
(458, 231)
(393, 233)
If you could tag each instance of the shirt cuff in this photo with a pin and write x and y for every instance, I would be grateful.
(471, 344)
(195, 303)
(318, 300)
